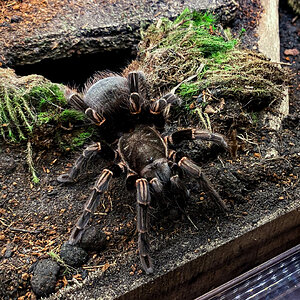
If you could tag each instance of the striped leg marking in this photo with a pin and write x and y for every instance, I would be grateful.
(143, 202)
(195, 171)
(80, 164)
(90, 206)
(197, 134)
(135, 99)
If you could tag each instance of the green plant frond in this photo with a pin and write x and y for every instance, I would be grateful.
(24, 109)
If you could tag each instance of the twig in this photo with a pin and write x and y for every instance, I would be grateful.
(199, 110)
(24, 230)
(188, 217)
(30, 163)
(221, 161)
(191, 221)
(279, 63)
(92, 267)
(2, 222)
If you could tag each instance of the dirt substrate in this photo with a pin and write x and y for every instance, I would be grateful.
(37, 219)
(254, 187)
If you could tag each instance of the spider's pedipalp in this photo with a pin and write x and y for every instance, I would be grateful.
(90, 206)
(195, 171)
(156, 185)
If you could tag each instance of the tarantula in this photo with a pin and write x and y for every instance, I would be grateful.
(131, 128)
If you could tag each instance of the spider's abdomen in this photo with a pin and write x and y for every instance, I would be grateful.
(141, 147)
(108, 94)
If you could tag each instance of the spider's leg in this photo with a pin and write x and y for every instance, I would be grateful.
(195, 171)
(90, 206)
(143, 202)
(135, 80)
(158, 106)
(179, 190)
(197, 134)
(81, 162)
(94, 116)
(163, 104)
(77, 102)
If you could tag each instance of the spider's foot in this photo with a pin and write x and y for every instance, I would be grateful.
(147, 263)
(65, 178)
(145, 258)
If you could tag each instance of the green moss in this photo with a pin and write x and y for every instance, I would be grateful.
(46, 95)
(172, 51)
(71, 115)
(24, 109)
(194, 54)
(79, 140)
(35, 178)
(75, 139)
(254, 117)
(188, 90)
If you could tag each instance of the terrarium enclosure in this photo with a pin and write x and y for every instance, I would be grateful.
(208, 57)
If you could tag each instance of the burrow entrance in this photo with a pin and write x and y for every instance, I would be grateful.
(74, 71)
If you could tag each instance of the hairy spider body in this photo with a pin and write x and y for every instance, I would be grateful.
(120, 106)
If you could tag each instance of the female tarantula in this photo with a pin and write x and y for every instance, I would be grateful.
(122, 109)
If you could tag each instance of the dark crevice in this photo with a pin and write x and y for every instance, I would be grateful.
(75, 70)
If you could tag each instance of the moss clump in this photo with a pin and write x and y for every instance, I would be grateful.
(170, 51)
(69, 115)
(194, 54)
(28, 103)
(32, 110)
(74, 139)
(245, 76)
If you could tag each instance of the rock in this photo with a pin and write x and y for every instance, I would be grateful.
(15, 19)
(8, 164)
(93, 239)
(9, 250)
(73, 255)
(293, 52)
(110, 28)
(44, 277)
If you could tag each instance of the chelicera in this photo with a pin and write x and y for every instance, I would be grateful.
(133, 139)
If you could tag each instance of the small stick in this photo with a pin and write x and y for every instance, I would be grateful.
(24, 230)
(187, 216)
(280, 63)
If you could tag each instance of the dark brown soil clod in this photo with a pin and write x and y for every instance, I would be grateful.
(73, 255)
(44, 277)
